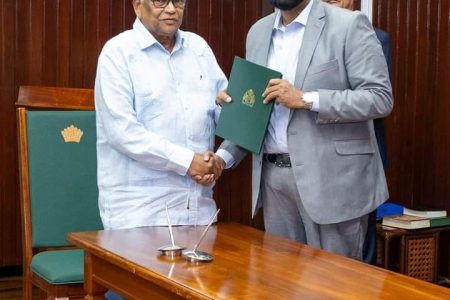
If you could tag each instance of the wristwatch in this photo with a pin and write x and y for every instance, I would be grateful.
(308, 104)
(310, 100)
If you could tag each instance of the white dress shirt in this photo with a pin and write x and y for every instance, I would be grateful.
(155, 109)
(283, 57)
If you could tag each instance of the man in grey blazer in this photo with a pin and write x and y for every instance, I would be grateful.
(320, 172)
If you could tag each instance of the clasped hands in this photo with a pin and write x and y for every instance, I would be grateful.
(206, 167)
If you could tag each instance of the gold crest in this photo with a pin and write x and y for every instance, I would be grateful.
(72, 134)
(249, 98)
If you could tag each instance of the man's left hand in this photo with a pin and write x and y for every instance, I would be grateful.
(285, 93)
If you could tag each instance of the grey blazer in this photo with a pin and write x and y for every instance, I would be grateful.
(334, 155)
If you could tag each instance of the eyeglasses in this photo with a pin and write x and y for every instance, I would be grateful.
(164, 3)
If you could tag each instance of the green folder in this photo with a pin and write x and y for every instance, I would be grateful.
(244, 121)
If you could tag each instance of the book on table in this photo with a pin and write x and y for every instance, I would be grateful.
(414, 222)
(406, 222)
(244, 121)
(425, 213)
(438, 222)
(389, 209)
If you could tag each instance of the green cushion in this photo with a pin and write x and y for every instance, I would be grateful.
(63, 176)
(59, 267)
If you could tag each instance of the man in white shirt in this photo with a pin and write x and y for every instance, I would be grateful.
(155, 96)
(320, 172)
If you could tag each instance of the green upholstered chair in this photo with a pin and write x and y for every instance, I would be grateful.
(58, 180)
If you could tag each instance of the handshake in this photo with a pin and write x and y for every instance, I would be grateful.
(206, 167)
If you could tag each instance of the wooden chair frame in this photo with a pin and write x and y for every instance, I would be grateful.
(42, 98)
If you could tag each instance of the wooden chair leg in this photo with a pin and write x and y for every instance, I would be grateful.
(27, 286)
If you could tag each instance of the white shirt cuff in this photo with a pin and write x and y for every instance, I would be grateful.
(227, 158)
(314, 98)
(180, 160)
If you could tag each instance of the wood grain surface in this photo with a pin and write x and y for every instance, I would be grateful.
(248, 264)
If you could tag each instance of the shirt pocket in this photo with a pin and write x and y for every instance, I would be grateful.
(149, 76)
(149, 109)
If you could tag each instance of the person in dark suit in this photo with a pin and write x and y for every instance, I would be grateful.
(369, 249)
(383, 37)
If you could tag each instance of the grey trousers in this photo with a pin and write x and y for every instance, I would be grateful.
(285, 215)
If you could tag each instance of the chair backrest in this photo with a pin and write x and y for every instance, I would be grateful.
(62, 170)
(57, 164)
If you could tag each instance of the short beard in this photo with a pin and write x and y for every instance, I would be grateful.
(285, 4)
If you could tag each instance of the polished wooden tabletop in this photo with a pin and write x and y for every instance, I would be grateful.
(248, 264)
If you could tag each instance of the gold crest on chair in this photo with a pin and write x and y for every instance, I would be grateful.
(72, 134)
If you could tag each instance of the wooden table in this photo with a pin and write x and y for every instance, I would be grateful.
(248, 264)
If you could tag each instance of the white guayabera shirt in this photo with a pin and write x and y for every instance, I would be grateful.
(154, 109)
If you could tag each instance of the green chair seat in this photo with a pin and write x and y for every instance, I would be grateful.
(59, 267)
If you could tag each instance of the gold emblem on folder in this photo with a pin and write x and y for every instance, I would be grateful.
(249, 98)
(72, 134)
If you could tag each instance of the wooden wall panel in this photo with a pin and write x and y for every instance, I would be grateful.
(418, 131)
(62, 39)
(9, 195)
(57, 42)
